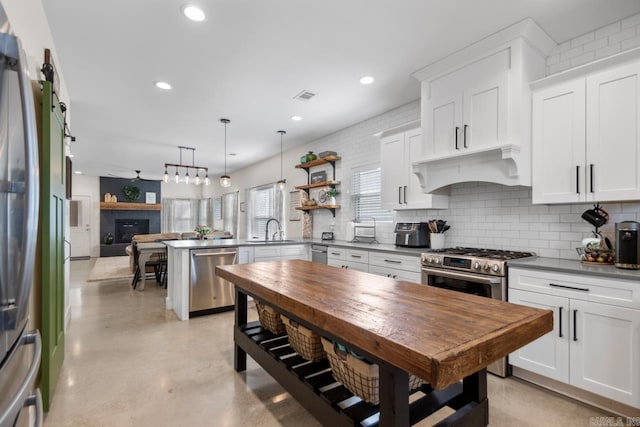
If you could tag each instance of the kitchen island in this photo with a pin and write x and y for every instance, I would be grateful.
(445, 338)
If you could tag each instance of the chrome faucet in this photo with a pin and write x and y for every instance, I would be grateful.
(266, 229)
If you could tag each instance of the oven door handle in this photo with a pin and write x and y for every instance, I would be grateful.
(461, 276)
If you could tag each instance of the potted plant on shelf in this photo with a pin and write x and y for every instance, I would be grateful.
(331, 196)
(202, 230)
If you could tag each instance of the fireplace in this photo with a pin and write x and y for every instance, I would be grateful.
(127, 228)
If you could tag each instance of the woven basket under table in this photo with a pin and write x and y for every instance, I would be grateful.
(359, 376)
(303, 340)
(269, 318)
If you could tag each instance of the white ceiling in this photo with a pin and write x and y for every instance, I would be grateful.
(249, 59)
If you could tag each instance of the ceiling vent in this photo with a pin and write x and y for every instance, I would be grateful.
(304, 95)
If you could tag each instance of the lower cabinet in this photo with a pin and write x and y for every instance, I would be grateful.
(280, 252)
(594, 346)
(400, 267)
(245, 255)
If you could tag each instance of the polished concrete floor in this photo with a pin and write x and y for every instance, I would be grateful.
(129, 362)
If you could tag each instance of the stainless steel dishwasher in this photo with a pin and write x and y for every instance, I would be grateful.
(209, 293)
(319, 253)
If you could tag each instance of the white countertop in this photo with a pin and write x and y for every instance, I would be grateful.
(575, 267)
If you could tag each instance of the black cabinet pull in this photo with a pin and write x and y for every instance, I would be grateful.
(405, 195)
(356, 256)
(464, 136)
(393, 261)
(578, 179)
(560, 321)
(575, 325)
(591, 176)
(457, 130)
(569, 287)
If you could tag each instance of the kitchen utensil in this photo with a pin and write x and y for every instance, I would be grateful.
(446, 227)
(596, 216)
(608, 243)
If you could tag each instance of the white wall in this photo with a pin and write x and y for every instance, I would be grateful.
(599, 43)
(171, 190)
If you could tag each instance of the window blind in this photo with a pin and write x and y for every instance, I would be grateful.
(264, 202)
(366, 186)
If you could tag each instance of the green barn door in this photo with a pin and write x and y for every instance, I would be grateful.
(52, 203)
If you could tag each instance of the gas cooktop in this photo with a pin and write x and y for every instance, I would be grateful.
(473, 260)
(482, 253)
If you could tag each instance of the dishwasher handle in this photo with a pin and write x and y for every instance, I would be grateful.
(214, 254)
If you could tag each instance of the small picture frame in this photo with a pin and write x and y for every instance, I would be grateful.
(320, 176)
(150, 197)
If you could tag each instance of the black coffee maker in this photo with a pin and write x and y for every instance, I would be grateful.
(628, 245)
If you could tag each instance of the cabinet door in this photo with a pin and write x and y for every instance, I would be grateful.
(485, 98)
(605, 350)
(396, 274)
(613, 138)
(413, 151)
(393, 170)
(442, 117)
(245, 255)
(549, 354)
(359, 266)
(559, 143)
(294, 252)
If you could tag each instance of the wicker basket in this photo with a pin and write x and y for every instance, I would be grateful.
(359, 376)
(303, 340)
(269, 318)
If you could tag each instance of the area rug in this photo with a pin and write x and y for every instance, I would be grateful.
(110, 268)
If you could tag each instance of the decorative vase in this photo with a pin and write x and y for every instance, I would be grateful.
(200, 236)
(303, 159)
(311, 157)
(332, 201)
(108, 239)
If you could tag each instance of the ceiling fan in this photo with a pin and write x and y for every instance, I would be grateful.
(138, 178)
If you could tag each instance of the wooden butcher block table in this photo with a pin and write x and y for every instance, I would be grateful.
(443, 337)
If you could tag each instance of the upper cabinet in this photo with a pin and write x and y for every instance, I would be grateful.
(400, 187)
(586, 133)
(476, 109)
(467, 109)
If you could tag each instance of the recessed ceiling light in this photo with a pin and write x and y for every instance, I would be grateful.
(296, 118)
(163, 85)
(193, 12)
(78, 172)
(367, 80)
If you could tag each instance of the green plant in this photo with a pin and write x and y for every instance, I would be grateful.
(332, 192)
(131, 193)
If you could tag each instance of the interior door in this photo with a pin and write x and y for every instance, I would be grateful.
(52, 241)
(80, 227)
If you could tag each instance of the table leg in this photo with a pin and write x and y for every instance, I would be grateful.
(394, 397)
(239, 355)
(143, 258)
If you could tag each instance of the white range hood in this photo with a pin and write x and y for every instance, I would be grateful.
(476, 110)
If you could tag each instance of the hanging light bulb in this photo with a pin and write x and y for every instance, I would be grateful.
(225, 180)
(176, 179)
(197, 181)
(186, 177)
(206, 178)
(166, 174)
(282, 184)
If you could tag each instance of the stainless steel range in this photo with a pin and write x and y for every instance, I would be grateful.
(475, 271)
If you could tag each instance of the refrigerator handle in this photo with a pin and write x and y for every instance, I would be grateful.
(21, 397)
(32, 177)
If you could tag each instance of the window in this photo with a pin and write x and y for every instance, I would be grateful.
(182, 215)
(263, 202)
(366, 186)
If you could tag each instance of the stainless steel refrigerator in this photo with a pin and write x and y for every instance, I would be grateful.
(20, 351)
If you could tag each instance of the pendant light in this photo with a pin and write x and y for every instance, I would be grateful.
(282, 184)
(225, 180)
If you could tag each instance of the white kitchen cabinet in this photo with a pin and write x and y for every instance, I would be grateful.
(476, 109)
(355, 259)
(586, 133)
(400, 267)
(245, 255)
(267, 253)
(549, 354)
(467, 109)
(595, 343)
(294, 252)
(401, 189)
